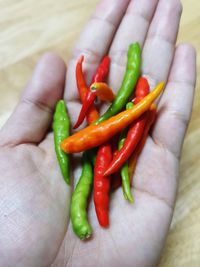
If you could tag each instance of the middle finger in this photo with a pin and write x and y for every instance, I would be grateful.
(159, 45)
(133, 28)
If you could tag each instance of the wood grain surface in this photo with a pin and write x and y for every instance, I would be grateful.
(28, 28)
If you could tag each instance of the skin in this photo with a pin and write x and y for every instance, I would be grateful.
(34, 203)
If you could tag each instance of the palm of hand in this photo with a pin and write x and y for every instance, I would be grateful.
(36, 201)
(35, 207)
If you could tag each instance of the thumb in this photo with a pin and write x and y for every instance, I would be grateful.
(33, 115)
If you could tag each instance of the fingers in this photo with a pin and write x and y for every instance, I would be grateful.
(94, 43)
(133, 28)
(176, 103)
(159, 45)
(33, 115)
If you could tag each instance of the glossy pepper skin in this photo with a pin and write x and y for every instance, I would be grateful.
(83, 90)
(79, 201)
(61, 129)
(88, 102)
(103, 91)
(95, 135)
(135, 131)
(128, 84)
(102, 184)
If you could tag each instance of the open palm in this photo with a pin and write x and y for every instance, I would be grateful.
(34, 204)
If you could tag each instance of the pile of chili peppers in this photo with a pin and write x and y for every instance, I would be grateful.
(119, 136)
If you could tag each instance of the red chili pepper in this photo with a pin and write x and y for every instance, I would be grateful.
(142, 89)
(134, 157)
(101, 74)
(134, 133)
(102, 184)
(102, 70)
(92, 114)
(133, 137)
(80, 80)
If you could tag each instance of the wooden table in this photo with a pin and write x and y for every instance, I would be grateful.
(28, 28)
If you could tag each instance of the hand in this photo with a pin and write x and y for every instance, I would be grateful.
(35, 201)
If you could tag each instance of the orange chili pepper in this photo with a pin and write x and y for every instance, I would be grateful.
(103, 91)
(133, 159)
(95, 135)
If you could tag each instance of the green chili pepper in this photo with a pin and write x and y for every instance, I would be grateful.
(128, 84)
(61, 128)
(124, 169)
(80, 195)
(125, 175)
(129, 105)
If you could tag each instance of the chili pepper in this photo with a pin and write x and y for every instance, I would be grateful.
(94, 135)
(102, 184)
(129, 105)
(101, 73)
(150, 120)
(83, 90)
(128, 83)
(126, 183)
(134, 133)
(61, 128)
(102, 70)
(103, 91)
(142, 89)
(80, 195)
(125, 175)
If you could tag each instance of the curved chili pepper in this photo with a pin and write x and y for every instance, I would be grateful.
(102, 184)
(80, 195)
(103, 91)
(83, 90)
(133, 159)
(128, 83)
(134, 133)
(101, 74)
(95, 135)
(61, 129)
